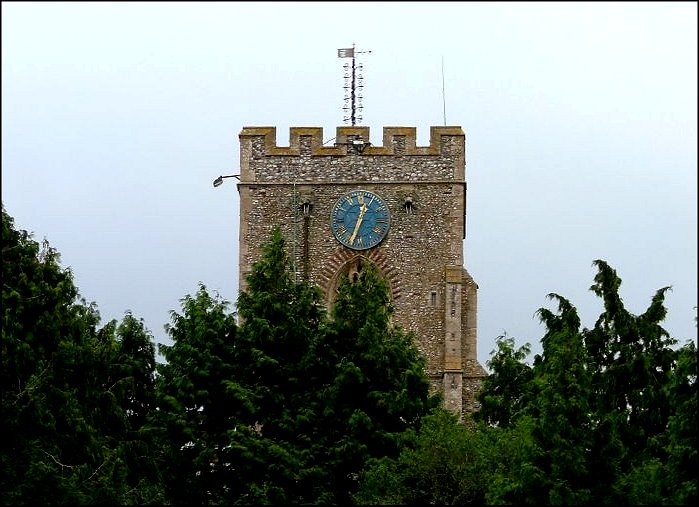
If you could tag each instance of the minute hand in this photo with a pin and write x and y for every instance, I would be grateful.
(362, 210)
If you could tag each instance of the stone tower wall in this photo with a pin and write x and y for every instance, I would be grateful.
(296, 187)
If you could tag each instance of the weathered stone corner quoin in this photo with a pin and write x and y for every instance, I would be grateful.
(421, 255)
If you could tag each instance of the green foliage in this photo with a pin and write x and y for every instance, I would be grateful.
(202, 413)
(66, 395)
(665, 472)
(281, 320)
(287, 407)
(632, 360)
(446, 463)
(371, 384)
(131, 383)
(561, 410)
(292, 406)
(608, 414)
(505, 392)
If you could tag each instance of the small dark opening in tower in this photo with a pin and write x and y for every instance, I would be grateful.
(408, 205)
(355, 271)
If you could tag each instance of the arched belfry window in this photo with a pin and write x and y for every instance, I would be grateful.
(351, 271)
(354, 269)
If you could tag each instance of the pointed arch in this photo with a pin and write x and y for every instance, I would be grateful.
(346, 262)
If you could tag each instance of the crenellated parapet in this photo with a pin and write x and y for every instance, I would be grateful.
(309, 141)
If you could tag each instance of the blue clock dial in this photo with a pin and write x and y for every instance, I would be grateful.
(360, 219)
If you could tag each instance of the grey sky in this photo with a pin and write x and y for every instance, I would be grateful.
(580, 121)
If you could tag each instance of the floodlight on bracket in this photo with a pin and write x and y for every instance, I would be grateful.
(219, 181)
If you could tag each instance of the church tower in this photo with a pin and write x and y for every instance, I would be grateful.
(399, 206)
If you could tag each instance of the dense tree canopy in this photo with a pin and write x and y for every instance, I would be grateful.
(605, 415)
(371, 383)
(287, 405)
(289, 402)
(506, 391)
(74, 397)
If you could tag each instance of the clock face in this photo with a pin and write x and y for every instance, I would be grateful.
(360, 219)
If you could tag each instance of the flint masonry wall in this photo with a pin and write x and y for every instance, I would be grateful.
(424, 187)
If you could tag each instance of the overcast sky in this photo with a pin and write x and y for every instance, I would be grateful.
(580, 122)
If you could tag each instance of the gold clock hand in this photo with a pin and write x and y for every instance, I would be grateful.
(362, 210)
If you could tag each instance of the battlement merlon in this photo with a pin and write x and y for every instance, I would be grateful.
(312, 143)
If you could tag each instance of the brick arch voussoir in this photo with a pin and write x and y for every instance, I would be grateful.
(342, 256)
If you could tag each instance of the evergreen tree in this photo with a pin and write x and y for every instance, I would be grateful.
(506, 391)
(561, 411)
(668, 472)
(617, 444)
(632, 361)
(131, 382)
(284, 408)
(605, 415)
(281, 319)
(329, 395)
(371, 384)
(203, 411)
(447, 463)
(66, 425)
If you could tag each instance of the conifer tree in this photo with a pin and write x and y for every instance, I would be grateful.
(67, 432)
(281, 319)
(203, 410)
(447, 463)
(607, 416)
(633, 365)
(507, 390)
(131, 382)
(561, 411)
(329, 395)
(371, 382)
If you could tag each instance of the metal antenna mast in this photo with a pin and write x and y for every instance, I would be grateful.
(353, 85)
